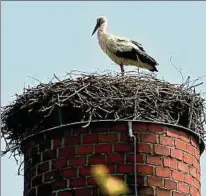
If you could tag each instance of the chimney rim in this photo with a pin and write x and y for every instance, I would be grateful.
(178, 127)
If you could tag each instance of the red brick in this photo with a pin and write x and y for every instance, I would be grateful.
(188, 179)
(154, 181)
(188, 159)
(29, 146)
(190, 149)
(167, 141)
(194, 142)
(194, 191)
(110, 168)
(196, 165)
(77, 161)
(122, 148)
(127, 168)
(177, 193)
(85, 171)
(146, 148)
(43, 167)
(180, 144)
(178, 175)
(184, 137)
(84, 191)
(141, 127)
(197, 154)
(84, 149)
(70, 172)
(140, 180)
(64, 193)
(95, 191)
(146, 190)
(163, 172)
(49, 176)
(56, 185)
(102, 129)
(91, 181)
(119, 128)
(161, 150)
(170, 184)
(57, 142)
(50, 154)
(198, 176)
(66, 151)
(154, 160)
(79, 131)
(60, 163)
(124, 137)
(148, 138)
(170, 162)
(173, 133)
(157, 129)
(162, 192)
(43, 146)
(108, 138)
(178, 154)
(130, 158)
(33, 172)
(145, 169)
(27, 186)
(130, 179)
(37, 180)
(183, 187)
(97, 159)
(73, 140)
(88, 139)
(79, 182)
(196, 184)
(32, 192)
(115, 158)
(183, 167)
(103, 148)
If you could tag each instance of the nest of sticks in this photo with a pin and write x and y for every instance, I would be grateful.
(87, 97)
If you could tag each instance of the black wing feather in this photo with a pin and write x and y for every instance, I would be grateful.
(145, 58)
(132, 54)
(138, 45)
(135, 54)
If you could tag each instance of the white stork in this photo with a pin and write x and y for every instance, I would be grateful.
(123, 51)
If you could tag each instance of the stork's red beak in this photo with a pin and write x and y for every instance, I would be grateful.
(96, 27)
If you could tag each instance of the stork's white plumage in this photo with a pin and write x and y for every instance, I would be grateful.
(123, 51)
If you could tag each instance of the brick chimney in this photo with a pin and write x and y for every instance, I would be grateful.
(58, 160)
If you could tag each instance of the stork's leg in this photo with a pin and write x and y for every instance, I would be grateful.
(138, 70)
(122, 69)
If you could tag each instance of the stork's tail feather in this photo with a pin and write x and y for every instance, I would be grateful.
(154, 69)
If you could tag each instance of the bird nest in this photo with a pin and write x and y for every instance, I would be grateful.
(87, 97)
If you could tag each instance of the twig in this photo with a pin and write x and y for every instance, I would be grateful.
(179, 70)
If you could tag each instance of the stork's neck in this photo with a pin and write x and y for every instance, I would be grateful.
(102, 29)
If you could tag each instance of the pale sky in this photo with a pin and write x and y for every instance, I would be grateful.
(43, 38)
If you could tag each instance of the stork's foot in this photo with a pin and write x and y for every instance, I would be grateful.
(122, 69)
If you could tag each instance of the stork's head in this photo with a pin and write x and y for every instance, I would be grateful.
(101, 20)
